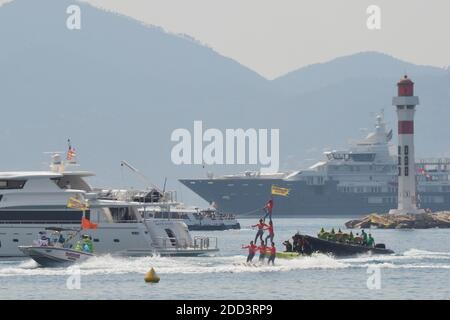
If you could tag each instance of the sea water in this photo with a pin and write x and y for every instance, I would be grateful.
(419, 269)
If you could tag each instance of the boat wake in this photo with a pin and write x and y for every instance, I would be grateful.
(410, 259)
(107, 264)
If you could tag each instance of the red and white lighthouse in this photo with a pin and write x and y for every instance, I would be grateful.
(405, 103)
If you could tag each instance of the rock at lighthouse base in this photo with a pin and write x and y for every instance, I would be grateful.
(404, 221)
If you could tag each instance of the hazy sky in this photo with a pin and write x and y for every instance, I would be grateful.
(274, 37)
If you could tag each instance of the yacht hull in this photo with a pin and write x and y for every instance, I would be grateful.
(246, 197)
(125, 239)
(53, 256)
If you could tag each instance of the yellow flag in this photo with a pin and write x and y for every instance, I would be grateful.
(74, 203)
(278, 191)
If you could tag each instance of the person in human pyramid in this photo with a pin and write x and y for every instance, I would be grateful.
(268, 210)
(271, 233)
(252, 248)
(261, 225)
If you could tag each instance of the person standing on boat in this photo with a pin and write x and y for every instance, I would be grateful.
(272, 253)
(370, 241)
(252, 248)
(43, 240)
(262, 252)
(358, 239)
(271, 233)
(261, 229)
(61, 239)
(364, 237)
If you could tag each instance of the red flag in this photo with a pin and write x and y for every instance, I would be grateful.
(269, 206)
(86, 224)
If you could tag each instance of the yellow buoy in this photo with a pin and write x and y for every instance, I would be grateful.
(151, 276)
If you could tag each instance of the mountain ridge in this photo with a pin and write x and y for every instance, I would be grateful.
(118, 89)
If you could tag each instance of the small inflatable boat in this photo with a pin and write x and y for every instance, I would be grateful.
(342, 249)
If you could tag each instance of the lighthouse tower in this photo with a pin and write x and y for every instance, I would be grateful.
(406, 103)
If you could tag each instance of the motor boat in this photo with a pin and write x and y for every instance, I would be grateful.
(60, 249)
(156, 205)
(340, 248)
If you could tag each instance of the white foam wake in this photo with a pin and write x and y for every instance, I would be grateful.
(406, 266)
(425, 253)
(231, 264)
(107, 264)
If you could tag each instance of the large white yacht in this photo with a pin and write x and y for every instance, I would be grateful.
(33, 201)
(358, 180)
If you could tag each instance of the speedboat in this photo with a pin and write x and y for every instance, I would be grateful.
(58, 249)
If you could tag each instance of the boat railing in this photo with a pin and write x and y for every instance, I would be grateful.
(125, 221)
(130, 195)
(202, 242)
(58, 222)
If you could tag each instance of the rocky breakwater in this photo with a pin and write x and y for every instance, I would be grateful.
(407, 221)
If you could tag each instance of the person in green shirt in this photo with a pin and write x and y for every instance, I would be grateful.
(370, 241)
(351, 237)
(321, 233)
(364, 237)
(78, 246)
(87, 244)
(332, 235)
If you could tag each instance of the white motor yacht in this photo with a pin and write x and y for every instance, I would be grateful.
(155, 205)
(33, 201)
